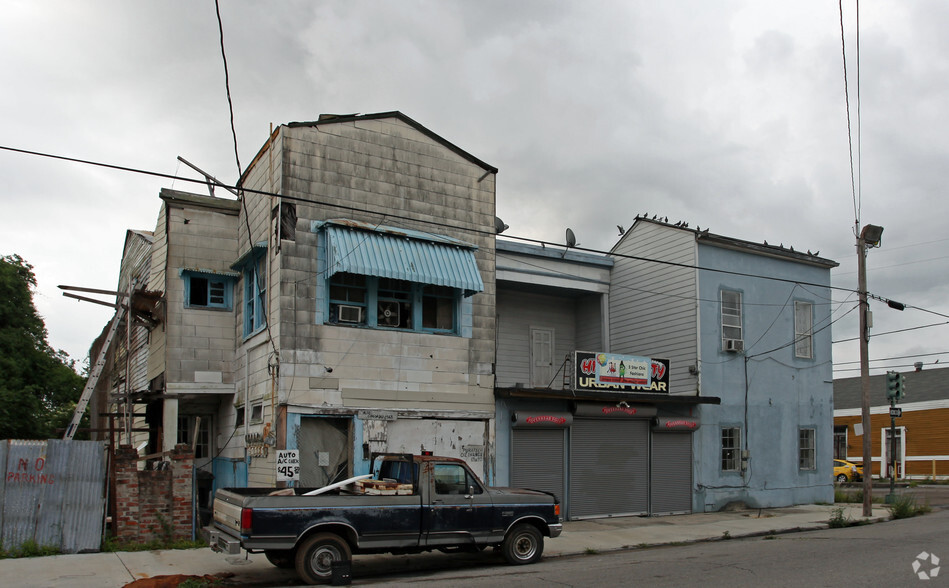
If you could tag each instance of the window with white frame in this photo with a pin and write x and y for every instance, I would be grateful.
(803, 330)
(256, 413)
(731, 449)
(731, 317)
(387, 303)
(255, 294)
(205, 290)
(807, 449)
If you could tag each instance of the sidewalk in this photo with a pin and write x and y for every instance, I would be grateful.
(107, 570)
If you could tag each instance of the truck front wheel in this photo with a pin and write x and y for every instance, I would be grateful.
(523, 544)
(316, 555)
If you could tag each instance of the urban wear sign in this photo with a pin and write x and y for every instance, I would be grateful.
(609, 372)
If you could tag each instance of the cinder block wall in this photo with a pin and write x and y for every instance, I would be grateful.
(154, 504)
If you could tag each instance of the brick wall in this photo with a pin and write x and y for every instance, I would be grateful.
(153, 504)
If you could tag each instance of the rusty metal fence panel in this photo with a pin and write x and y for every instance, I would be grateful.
(53, 494)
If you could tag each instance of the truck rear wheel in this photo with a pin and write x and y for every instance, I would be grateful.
(316, 555)
(523, 544)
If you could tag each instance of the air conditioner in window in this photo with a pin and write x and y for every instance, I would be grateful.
(734, 345)
(389, 314)
(350, 314)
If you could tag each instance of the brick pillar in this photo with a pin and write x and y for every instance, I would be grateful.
(126, 494)
(153, 504)
(182, 505)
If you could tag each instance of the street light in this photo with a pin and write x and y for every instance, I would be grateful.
(869, 237)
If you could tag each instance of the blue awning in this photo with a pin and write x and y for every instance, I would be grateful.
(375, 253)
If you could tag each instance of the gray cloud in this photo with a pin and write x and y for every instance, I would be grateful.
(727, 115)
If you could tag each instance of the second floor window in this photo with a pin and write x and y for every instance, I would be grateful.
(803, 330)
(387, 303)
(731, 316)
(205, 290)
(255, 295)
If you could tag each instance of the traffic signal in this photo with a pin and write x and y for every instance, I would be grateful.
(894, 385)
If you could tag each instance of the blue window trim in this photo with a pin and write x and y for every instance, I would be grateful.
(416, 296)
(253, 268)
(228, 279)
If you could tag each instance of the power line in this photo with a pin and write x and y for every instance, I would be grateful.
(896, 357)
(432, 222)
(894, 332)
(843, 49)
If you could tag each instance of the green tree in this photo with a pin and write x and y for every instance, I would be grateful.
(38, 386)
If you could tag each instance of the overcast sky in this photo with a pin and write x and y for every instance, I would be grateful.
(725, 114)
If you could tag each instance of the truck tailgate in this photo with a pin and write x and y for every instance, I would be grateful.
(227, 511)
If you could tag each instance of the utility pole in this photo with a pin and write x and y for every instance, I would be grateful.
(868, 237)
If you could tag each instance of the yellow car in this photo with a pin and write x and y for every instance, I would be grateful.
(845, 471)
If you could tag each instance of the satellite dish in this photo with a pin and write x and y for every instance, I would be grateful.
(499, 226)
(571, 238)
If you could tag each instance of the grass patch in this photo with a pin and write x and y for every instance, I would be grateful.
(906, 506)
(111, 545)
(726, 536)
(29, 548)
(848, 496)
(590, 551)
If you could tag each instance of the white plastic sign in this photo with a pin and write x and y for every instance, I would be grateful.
(288, 465)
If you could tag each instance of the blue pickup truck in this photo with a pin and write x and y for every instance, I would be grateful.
(412, 504)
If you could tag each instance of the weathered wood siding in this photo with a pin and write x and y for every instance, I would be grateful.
(653, 309)
(156, 283)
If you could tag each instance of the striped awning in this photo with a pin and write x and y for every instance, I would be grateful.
(398, 256)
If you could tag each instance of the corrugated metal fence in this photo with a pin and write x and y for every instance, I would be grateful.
(52, 493)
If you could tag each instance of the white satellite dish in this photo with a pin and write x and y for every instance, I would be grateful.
(571, 238)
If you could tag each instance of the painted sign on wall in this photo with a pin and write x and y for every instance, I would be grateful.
(620, 373)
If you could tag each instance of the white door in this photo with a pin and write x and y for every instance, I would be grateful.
(542, 357)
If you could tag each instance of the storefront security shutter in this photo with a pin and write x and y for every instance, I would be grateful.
(671, 473)
(609, 467)
(538, 460)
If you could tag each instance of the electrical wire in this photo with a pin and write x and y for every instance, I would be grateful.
(894, 332)
(351, 208)
(843, 49)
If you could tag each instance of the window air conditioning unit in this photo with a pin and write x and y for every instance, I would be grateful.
(389, 314)
(734, 345)
(350, 314)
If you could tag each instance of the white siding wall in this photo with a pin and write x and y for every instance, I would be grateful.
(518, 312)
(589, 324)
(653, 307)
